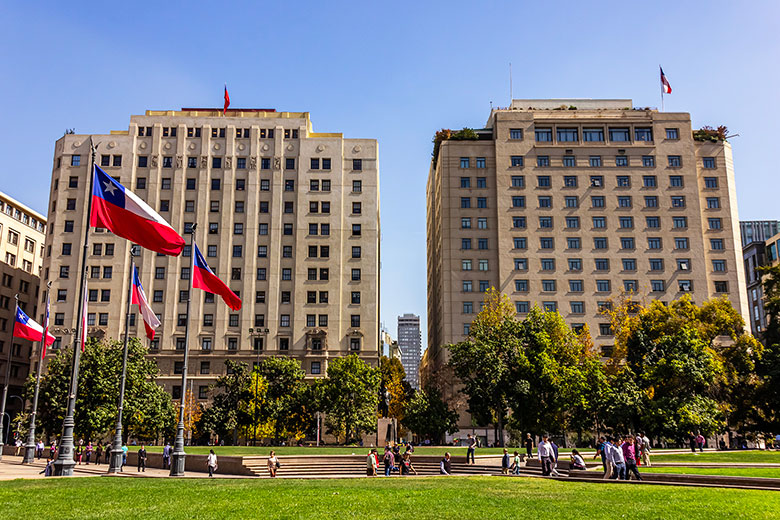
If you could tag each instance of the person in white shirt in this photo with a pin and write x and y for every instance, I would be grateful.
(546, 455)
(273, 464)
(618, 460)
(645, 452)
(576, 461)
(212, 463)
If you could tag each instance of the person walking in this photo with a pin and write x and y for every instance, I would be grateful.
(142, 459)
(554, 470)
(609, 465)
(529, 445)
(124, 456)
(505, 462)
(39, 449)
(98, 453)
(445, 466)
(273, 464)
(211, 462)
(371, 463)
(516, 464)
(692, 441)
(79, 450)
(629, 455)
(471, 449)
(577, 463)
(700, 440)
(545, 453)
(645, 451)
(389, 461)
(88, 452)
(602, 452)
(167, 456)
(18, 445)
(618, 460)
(406, 465)
(107, 452)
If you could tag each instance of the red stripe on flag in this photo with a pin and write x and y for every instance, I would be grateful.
(126, 224)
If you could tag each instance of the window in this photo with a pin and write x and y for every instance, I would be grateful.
(356, 230)
(481, 163)
(289, 163)
(654, 243)
(651, 201)
(575, 264)
(481, 182)
(602, 264)
(715, 223)
(603, 286)
(605, 329)
(626, 222)
(518, 181)
(710, 182)
(721, 287)
(543, 134)
(481, 223)
(550, 306)
(467, 286)
(713, 203)
(355, 275)
(624, 202)
(572, 222)
(465, 182)
(571, 202)
(483, 265)
(481, 202)
(465, 202)
(520, 243)
(515, 133)
(627, 243)
(66, 249)
(675, 161)
(685, 285)
(548, 264)
(719, 266)
(521, 264)
(672, 133)
(543, 161)
(519, 222)
(522, 307)
(630, 285)
(567, 135)
(356, 208)
(357, 164)
(355, 320)
(545, 202)
(643, 134)
(517, 161)
(599, 222)
(468, 307)
(678, 201)
(546, 243)
(464, 162)
(548, 285)
(708, 163)
(597, 201)
(600, 243)
(571, 243)
(623, 181)
(75, 160)
(657, 285)
(518, 202)
(681, 243)
(521, 285)
(648, 161)
(619, 135)
(716, 244)
(629, 264)
(577, 307)
(482, 243)
(575, 286)
(593, 135)
(545, 222)
(621, 160)
(653, 222)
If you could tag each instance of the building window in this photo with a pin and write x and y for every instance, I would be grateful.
(619, 135)
(548, 264)
(480, 162)
(672, 133)
(546, 243)
(675, 161)
(597, 201)
(656, 264)
(678, 201)
(518, 181)
(621, 160)
(467, 286)
(468, 307)
(577, 307)
(543, 135)
(521, 285)
(654, 243)
(517, 161)
(522, 307)
(545, 222)
(710, 182)
(715, 223)
(716, 244)
(464, 162)
(681, 243)
(626, 243)
(603, 286)
(543, 161)
(624, 202)
(572, 222)
(518, 202)
(545, 202)
(521, 264)
(719, 266)
(515, 133)
(593, 135)
(519, 222)
(623, 181)
(575, 264)
(548, 285)
(483, 265)
(713, 203)
(567, 135)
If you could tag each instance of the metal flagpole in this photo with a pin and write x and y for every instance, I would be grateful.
(63, 466)
(662, 87)
(178, 457)
(7, 378)
(115, 465)
(29, 449)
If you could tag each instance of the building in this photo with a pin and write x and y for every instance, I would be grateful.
(410, 343)
(756, 254)
(758, 230)
(565, 203)
(22, 236)
(287, 217)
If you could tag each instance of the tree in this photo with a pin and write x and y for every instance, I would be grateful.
(426, 414)
(393, 381)
(192, 412)
(768, 368)
(148, 410)
(282, 399)
(482, 362)
(351, 393)
(229, 409)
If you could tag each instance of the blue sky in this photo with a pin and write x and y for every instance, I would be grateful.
(396, 72)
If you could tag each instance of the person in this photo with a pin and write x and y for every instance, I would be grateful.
(629, 455)
(211, 461)
(645, 453)
(88, 452)
(406, 465)
(48, 471)
(545, 453)
(516, 464)
(505, 462)
(39, 449)
(167, 456)
(273, 464)
(18, 445)
(777, 441)
(700, 442)
(107, 452)
(98, 453)
(445, 466)
(124, 455)
(618, 460)
(472, 441)
(692, 441)
(371, 463)
(389, 461)
(554, 470)
(142, 458)
(576, 460)
(609, 466)
(601, 451)
(529, 445)
(53, 449)
(79, 450)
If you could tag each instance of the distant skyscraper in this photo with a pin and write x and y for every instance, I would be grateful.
(409, 342)
(758, 230)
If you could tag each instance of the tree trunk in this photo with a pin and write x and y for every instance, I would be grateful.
(500, 438)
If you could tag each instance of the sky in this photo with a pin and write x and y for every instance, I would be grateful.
(396, 72)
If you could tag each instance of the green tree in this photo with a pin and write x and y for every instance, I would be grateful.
(768, 368)
(282, 400)
(229, 411)
(351, 392)
(393, 381)
(148, 410)
(427, 415)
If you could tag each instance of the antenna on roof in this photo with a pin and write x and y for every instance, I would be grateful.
(511, 93)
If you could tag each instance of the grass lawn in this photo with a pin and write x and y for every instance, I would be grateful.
(721, 456)
(425, 498)
(737, 472)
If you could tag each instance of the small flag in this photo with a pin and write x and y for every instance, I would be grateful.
(227, 101)
(665, 86)
(123, 213)
(27, 328)
(46, 323)
(139, 298)
(84, 320)
(204, 278)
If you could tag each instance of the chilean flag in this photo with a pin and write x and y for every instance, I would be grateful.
(26, 328)
(204, 278)
(227, 101)
(46, 323)
(124, 214)
(665, 86)
(139, 298)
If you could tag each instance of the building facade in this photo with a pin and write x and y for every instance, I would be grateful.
(756, 254)
(758, 230)
(564, 204)
(287, 217)
(410, 343)
(22, 236)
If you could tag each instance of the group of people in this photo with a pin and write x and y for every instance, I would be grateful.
(622, 456)
(395, 462)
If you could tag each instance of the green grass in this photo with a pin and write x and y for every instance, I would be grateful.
(721, 456)
(421, 499)
(737, 472)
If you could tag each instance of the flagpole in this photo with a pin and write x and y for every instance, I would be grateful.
(63, 466)
(29, 449)
(5, 385)
(116, 449)
(178, 457)
(660, 71)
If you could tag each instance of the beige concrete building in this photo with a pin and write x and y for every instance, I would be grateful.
(287, 217)
(565, 203)
(22, 236)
